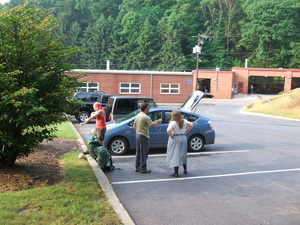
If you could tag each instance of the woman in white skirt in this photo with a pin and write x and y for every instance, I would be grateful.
(177, 143)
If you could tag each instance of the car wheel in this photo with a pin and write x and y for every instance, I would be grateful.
(196, 143)
(83, 116)
(118, 146)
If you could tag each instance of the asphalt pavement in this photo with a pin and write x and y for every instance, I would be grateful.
(238, 180)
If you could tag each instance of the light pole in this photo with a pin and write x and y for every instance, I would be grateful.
(217, 77)
(197, 49)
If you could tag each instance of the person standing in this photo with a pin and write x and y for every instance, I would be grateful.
(177, 142)
(100, 116)
(141, 126)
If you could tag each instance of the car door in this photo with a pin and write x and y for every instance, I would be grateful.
(157, 134)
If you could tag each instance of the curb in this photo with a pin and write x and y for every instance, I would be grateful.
(105, 185)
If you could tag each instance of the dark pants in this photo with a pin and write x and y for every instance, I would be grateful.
(99, 133)
(142, 151)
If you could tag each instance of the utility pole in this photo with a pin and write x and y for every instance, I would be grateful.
(197, 50)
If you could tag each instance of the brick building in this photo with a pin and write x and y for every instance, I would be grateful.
(175, 87)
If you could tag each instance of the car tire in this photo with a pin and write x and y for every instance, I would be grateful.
(195, 143)
(76, 117)
(83, 116)
(118, 146)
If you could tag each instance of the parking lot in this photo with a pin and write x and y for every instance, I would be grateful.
(251, 175)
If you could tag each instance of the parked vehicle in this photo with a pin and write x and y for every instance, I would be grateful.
(119, 106)
(120, 135)
(83, 112)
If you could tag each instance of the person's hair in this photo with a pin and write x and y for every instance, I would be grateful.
(177, 117)
(144, 106)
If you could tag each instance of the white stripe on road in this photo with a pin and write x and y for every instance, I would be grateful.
(220, 152)
(194, 153)
(205, 177)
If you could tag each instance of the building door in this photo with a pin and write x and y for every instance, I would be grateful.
(240, 87)
(235, 88)
(204, 85)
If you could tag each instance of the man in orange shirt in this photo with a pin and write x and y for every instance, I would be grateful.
(100, 116)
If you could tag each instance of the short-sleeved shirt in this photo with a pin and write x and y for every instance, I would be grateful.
(142, 123)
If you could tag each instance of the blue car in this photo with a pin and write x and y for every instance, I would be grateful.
(120, 135)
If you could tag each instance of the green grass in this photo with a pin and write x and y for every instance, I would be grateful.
(77, 200)
(65, 130)
(285, 104)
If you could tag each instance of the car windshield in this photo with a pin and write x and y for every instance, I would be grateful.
(128, 116)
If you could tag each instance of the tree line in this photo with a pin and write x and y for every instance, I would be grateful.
(161, 34)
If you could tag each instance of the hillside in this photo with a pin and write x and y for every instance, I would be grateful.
(286, 104)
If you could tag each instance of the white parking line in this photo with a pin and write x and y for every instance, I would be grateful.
(194, 153)
(206, 177)
(220, 152)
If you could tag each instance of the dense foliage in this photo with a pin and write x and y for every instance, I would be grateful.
(34, 91)
(160, 34)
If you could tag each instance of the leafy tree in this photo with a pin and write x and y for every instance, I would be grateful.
(34, 91)
(170, 54)
(222, 25)
(100, 7)
(138, 44)
(96, 43)
(267, 32)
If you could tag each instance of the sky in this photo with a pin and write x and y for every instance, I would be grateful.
(3, 1)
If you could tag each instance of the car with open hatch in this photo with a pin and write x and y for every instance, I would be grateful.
(120, 136)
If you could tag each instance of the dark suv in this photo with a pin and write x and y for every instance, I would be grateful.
(83, 112)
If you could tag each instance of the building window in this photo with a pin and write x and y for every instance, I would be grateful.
(130, 88)
(169, 88)
(89, 87)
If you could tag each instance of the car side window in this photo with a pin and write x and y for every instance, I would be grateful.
(94, 98)
(155, 115)
(125, 106)
(105, 99)
(189, 117)
(168, 116)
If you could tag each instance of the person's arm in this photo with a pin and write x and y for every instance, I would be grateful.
(154, 124)
(93, 115)
(134, 126)
(170, 130)
(189, 127)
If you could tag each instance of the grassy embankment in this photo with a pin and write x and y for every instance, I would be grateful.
(77, 200)
(285, 104)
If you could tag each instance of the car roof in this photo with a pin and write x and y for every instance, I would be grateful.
(81, 93)
(131, 97)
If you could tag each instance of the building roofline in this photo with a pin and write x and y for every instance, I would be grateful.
(264, 69)
(128, 72)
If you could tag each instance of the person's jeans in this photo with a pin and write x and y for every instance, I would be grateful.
(142, 151)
